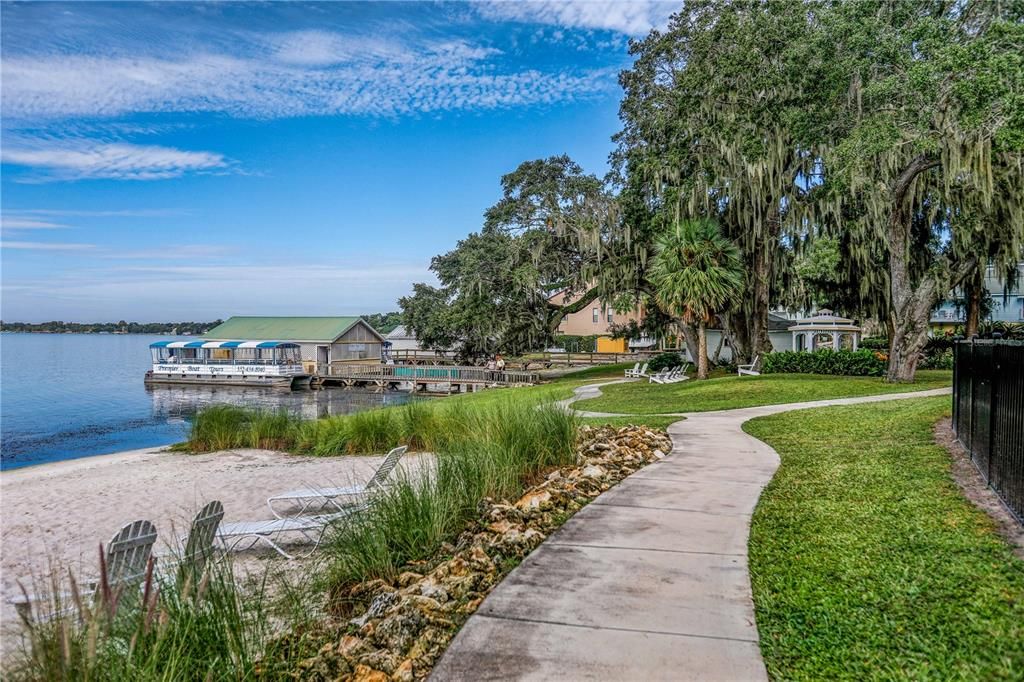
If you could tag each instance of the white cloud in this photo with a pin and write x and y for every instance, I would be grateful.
(19, 223)
(45, 246)
(632, 17)
(312, 73)
(77, 160)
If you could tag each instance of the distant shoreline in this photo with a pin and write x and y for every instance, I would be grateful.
(103, 333)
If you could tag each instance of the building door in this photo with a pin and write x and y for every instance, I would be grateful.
(323, 360)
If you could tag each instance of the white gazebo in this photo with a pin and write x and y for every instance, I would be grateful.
(824, 330)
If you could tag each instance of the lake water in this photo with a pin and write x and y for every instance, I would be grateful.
(64, 396)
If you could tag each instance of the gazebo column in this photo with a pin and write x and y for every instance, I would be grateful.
(855, 335)
(835, 340)
(795, 336)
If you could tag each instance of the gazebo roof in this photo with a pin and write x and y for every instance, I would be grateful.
(825, 321)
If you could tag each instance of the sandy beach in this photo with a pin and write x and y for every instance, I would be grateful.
(57, 514)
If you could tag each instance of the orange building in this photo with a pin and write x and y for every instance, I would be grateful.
(595, 320)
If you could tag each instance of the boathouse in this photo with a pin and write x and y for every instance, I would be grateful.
(324, 342)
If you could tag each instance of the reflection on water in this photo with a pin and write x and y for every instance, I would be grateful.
(177, 403)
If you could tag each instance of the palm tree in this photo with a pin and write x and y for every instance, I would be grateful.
(696, 274)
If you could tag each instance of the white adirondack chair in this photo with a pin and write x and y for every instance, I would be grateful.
(753, 369)
(126, 559)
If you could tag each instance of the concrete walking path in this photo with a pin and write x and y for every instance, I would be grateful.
(650, 580)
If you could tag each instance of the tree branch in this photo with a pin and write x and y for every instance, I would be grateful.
(559, 312)
(918, 165)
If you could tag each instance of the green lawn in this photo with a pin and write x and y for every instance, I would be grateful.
(866, 561)
(732, 391)
(555, 389)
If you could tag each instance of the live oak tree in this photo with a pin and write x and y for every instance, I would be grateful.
(551, 231)
(927, 139)
(717, 122)
(893, 128)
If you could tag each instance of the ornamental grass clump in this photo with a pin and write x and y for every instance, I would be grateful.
(203, 627)
(220, 427)
(495, 453)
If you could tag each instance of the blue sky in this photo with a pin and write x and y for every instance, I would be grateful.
(199, 160)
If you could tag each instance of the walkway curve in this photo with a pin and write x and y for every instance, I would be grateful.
(650, 580)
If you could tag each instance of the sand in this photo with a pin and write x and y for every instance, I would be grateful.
(57, 514)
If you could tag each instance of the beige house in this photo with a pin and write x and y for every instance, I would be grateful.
(594, 320)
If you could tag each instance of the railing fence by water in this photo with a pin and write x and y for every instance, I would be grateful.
(427, 374)
(988, 413)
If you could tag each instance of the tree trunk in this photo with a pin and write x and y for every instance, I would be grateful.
(911, 304)
(702, 346)
(692, 342)
(739, 336)
(718, 349)
(910, 332)
(760, 341)
(972, 293)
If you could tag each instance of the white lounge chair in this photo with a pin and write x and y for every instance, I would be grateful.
(664, 376)
(753, 369)
(339, 498)
(312, 528)
(676, 376)
(126, 560)
(633, 372)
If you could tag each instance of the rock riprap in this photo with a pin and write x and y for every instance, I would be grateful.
(404, 626)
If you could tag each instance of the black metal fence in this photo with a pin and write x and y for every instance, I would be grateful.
(988, 413)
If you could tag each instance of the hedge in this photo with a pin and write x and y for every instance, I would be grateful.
(576, 344)
(664, 361)
(863, 362)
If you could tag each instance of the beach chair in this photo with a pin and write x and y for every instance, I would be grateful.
(198, 545)
(311, 528)
(753, 369)
(126, 560)
(338, 498)
(643, 370)
(633, 372)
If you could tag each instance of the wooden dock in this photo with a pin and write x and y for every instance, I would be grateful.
(538, 360)
(458, 379)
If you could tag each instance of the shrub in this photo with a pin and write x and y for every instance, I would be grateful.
(938, 353)
(576, 344)
(875, 343)
(863, 362)
(664, 361)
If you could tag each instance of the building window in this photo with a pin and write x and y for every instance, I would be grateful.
(611, 316)
(597, 315)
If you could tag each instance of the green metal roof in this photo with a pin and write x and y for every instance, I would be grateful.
(324, 329)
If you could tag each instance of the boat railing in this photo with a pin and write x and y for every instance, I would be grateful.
(223, 361)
